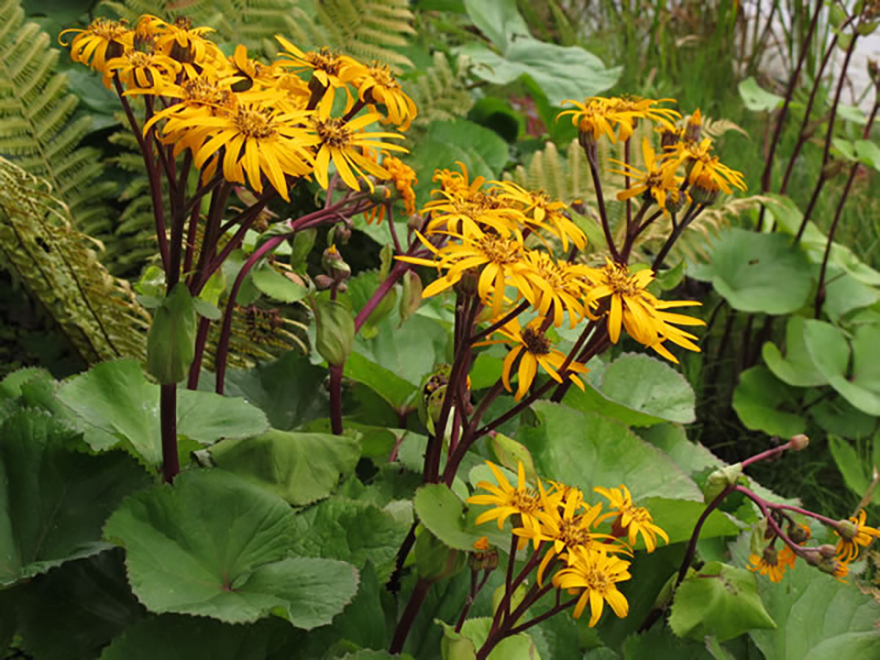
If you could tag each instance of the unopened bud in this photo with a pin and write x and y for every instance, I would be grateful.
(847, 529)
(483, 558)
(467, 285)
(415, 222)
(827, 551)
(674, 201)
(694, 129)
(323, 282)
(588, 143)
(799, 533)
(334, 265)
(799, 442)
(668, 139)
(770, 556)
(704, 192)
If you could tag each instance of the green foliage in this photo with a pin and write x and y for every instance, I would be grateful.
(214, 545)
(440, 91)
(761, 400)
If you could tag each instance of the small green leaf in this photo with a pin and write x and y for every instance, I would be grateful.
(440, 510)
(757, 99)
(214, 545)
(170, 343)
(759, 400)
(334, 330)
(391, 387)
(278, 286)
(518, 647)
(206, 309)
(857, 472)
(499, 20)
(720, 600)
(301, 468)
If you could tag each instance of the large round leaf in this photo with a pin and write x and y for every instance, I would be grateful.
(796, 367)
(215, 545)
(54, 498)
(760, 400)
(761, 272)
(116, 405)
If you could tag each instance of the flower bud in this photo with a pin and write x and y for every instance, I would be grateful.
(799, 442)
(704, 191)
(720, 480)
(484, 558)
(415, 222)
(847, 529)
(334, 330)
(799, 534)
(694, 129)
(675, 201)
(334, 265)
(467, 285)
(323, 282)
(668, 139)
(826, 550)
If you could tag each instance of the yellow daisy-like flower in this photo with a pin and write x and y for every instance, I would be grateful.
(595, 575)
(343, 142)
(643, 109)
(142, 70)
(507, 500)
(246, 73)
(703, 166)
(772, 563)
(623, 297)
(533, 349)
(630, 519)
(598, 116)
(376, 85)
(255, 139)
(541, 212)
(326, 65)
(497, 259)
(658, 182)
(861, 536)
(101, 41)
(557, 286)
(185, 43)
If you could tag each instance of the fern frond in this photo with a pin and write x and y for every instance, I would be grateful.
(36, 107)
(59, 266)
(440, 92)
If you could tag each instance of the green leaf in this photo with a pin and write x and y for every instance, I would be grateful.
(215, 545)
(796, 367)
(442, 513)
(278, 286)
(115, 404)
(638, 390)
(757, 99)
(289, 390)
(173, 637)
(301, 468)
(352, 531)
(838, 417)
(77, 609)
(678, 517)
(170, 343)
(758, 400)
(498, 20)
(857, 472)
(830, 353)
(562, 72)
(818, 618)
(868, 153)
(518, 647)
(608, 454)
(720, 600)
(659, 643)
(391, 387)
(491, 147)
(334, 330)
(206, 309)
(54, 498)
(10, 386)
(760, 272)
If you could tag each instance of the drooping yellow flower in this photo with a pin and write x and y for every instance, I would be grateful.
(185, 43)
(631, 520)
(772, 563)
(102, 40)
(639, 108)
(861, 536)
(533, 349)
(326, 66)
(507, 500)
(255, 140)
(403, 177)
(623, 298)
(704, 167)
(343, 142)
(595, 575)
(557, 286)
(658, 181)
(539, 211)
(376, 86)
(498, 261)
(598, 116)
(142, 70)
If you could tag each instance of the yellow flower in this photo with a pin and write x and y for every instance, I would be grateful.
(376, 86)
(541, 212)
(596, 116)
(533, 349)
(142, 70)
(624, 299)
(702, 166)
(657, 181)
(464, 207)
(507, 500)
(643, 109)
(101, 41)
(326, 66)
(630, 519)
(186, 44)
(255, 139)
(556, 286)
(862, 535)
(595, 575)
(498, 260)
(343, 142)
(403, 177)
(772, 563)
(245, 73)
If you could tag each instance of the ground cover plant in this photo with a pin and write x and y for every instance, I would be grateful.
(353, 376)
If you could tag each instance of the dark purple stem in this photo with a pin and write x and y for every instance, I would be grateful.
(168, 421)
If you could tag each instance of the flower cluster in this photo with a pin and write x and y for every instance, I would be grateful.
(852, 534)
(562, 528)
(250, 121)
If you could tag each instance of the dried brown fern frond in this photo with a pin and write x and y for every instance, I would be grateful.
(60, 268)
